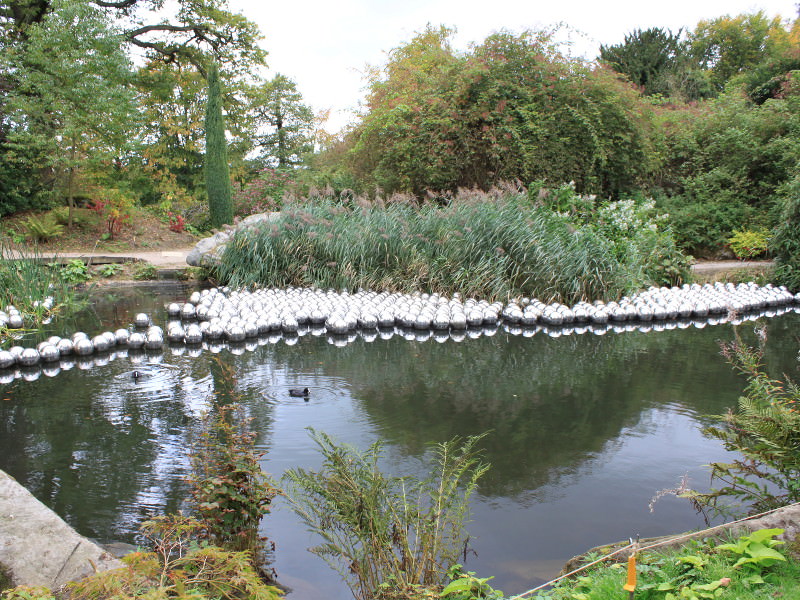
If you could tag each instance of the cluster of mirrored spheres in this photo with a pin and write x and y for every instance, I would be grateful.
(244, 319)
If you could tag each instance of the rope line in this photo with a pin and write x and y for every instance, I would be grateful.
(643, 548)
(578, 570)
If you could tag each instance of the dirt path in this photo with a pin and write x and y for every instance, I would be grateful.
(176, 259)
(718, 266)
(162, 259)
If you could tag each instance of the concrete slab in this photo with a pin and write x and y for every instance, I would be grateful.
(37, 547)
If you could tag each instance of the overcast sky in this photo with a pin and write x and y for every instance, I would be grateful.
(324, 45)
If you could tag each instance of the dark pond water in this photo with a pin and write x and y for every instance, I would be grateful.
(585, 429)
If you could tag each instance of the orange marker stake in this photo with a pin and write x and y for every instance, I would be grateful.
(630, 584)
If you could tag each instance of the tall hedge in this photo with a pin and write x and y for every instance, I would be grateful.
(218, 181)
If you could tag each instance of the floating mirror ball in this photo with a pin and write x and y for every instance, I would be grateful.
(242, 320)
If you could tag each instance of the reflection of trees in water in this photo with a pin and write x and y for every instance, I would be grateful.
(79, 440)
(551, 403)
(97, 447)
(103, 450)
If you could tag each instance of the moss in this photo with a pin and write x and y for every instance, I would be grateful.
(5, 580)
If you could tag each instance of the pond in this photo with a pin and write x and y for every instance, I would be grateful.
(584, 429)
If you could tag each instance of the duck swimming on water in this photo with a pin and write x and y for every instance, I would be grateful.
(298, 393)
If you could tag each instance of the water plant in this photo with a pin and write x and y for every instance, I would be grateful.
(387, 535)
(492, 245)
(27, 281)
(230, 492)
(765, 430)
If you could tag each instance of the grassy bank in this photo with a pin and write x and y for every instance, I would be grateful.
(492, 245)
(749, 567)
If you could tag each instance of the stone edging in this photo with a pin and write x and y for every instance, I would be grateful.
(37, 547)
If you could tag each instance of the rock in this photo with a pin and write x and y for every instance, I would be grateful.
(37, 547)
(205, 247)
(208, 251)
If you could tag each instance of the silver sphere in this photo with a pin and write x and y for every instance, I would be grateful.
(65, 347)
(215, 331)
(6, 359)
(49, 353)
(84, 346)
(29, 357)
(236, 333)
(154, 340)
(193, 334)
(100, 343)
(136, 340)
(175, 333)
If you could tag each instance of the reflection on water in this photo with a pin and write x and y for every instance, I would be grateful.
(584, 429)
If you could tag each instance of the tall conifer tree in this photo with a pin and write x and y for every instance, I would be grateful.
(218, 181)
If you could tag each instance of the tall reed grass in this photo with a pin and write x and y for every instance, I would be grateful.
(492, 245)
(26, 280)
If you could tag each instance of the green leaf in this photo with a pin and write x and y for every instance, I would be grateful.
(763, 535)
(459, 585)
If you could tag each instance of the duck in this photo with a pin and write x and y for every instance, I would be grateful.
(298, 393)
(136, 375)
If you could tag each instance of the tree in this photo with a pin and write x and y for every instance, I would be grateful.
(218, 181)
(278, 105)
(71, 95)
(645, 57)
(730, 46)
(185, 35)
(408, 138)
(177, 40)
(511, 108)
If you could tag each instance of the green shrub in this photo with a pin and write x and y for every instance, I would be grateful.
(42, 229)
(702, 228)
(229, 490)
(747, 568)
(176, 568)
(75, 271)
(747, 244)
(262, 194)
(110, 270)
(82, 218)
(381, 533)
(145, 271)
